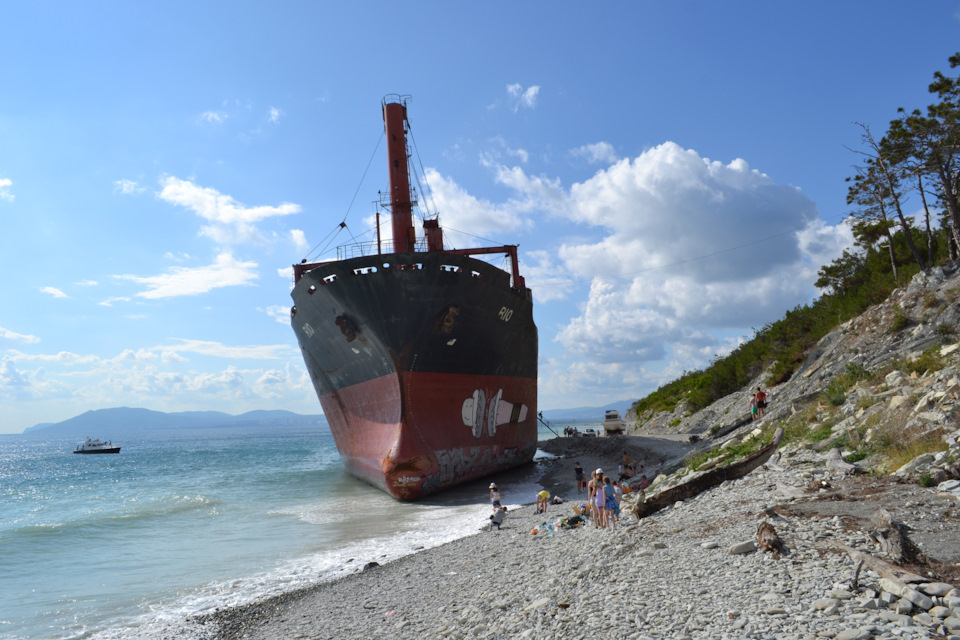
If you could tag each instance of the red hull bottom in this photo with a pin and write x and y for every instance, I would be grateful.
(419, 433)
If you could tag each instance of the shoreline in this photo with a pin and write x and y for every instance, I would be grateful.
(672, 575)
(554, 473)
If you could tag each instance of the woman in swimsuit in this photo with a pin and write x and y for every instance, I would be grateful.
(600, 502)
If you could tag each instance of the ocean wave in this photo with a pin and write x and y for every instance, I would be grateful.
(102, 518)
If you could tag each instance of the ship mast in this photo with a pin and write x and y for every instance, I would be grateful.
(401, 203)
(395, 122)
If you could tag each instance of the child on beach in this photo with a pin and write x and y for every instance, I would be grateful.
(495, 496)
(578, 477)
(617, 496)
(610, 503)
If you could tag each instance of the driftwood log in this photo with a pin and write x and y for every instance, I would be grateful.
(884, 568)
(708, 480)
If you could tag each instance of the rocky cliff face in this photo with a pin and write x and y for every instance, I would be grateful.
(891, 375)
(912, 320)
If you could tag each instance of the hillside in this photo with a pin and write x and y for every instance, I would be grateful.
(882, 389)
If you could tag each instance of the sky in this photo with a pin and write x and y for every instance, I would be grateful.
(673, 173)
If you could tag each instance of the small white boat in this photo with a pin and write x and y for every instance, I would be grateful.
(96, 446)
(612, 423)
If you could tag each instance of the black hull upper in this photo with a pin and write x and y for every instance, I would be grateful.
(363, 318)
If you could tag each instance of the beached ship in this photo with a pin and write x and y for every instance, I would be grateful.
(424, 358)
(91, 445)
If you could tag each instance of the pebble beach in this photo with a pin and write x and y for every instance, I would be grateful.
(689, 571)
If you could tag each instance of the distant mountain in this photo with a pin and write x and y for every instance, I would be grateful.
(118, 421)
(586, 414)
(122, 420)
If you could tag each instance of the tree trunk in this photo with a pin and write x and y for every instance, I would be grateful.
(893, 256)
(926, 218)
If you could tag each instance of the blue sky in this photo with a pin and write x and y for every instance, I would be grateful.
(672, 171)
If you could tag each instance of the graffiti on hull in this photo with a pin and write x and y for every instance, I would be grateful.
(455, 465)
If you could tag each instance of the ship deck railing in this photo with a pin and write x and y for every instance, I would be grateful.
(373, 248)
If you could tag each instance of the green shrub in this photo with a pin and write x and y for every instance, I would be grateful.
(899, 322)
(856, 456)
(835, 393)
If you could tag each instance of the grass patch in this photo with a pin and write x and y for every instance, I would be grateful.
(821, 433)
(733, 453)
(902, 452)
(929, 360)
(836, 392)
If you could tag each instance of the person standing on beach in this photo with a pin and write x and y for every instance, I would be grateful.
(495, 496)
(543, 499)
(610, 503)
(578, 477)
(600, 502)
(761, 401)
(591, 491)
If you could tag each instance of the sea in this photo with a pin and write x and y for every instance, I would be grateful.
(182, 523)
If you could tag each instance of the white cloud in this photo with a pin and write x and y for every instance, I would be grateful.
(462, 212)
(86, 283)
(299, 239)
(213, 117)
(109, 301)
(5, 184)
(56, 293)
(186, 281)
(231, 221)
(220, 350)
(127, 187)
(526, 98)
(547, 278)
(274, 114)
(6, 334)
(681, 253)
(279, 313)
(597, 153)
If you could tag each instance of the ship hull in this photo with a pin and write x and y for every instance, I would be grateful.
(425, 365)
